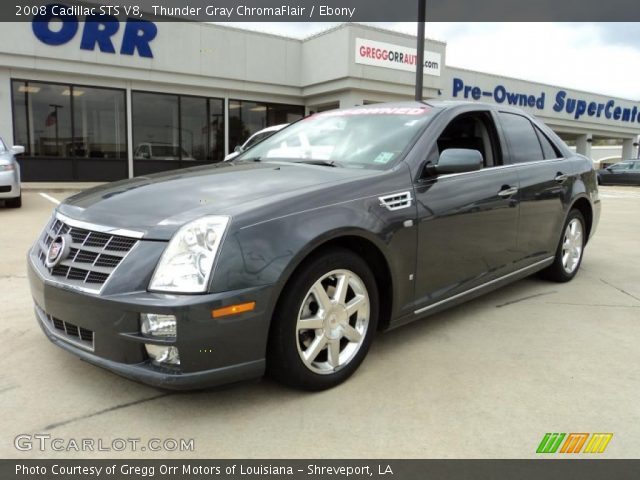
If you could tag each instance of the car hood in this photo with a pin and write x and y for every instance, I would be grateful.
(159, 204)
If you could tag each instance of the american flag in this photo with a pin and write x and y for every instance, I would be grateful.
(51, 119)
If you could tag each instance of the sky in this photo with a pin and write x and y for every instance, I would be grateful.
(595, 57)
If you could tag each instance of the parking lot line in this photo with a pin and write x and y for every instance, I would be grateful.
(50, 198)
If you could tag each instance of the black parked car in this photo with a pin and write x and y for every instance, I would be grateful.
(623, 173)
(291, 256)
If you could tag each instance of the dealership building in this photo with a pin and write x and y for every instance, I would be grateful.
(97, 102)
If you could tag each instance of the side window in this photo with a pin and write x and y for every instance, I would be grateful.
(522, 138)
(636, 166)
(549, 150)
(474, 131)
(621, 166)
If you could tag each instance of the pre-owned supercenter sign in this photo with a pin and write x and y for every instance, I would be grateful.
(397, 57)
(563, 102)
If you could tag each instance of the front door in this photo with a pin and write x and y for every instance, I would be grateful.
(468, 222)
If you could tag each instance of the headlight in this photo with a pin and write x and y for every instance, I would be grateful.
(7, 168)
(187, 262)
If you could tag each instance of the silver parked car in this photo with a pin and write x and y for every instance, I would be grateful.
(10, 175)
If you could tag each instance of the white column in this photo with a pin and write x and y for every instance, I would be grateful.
(583, 145)
(627, 149)
(6, 122)
(129, 133)
(226, 126)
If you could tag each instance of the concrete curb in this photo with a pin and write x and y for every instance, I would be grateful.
(58, 186)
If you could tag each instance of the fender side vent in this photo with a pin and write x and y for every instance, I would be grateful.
(396, 201)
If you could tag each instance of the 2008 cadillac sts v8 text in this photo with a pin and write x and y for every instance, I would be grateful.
(290, 257)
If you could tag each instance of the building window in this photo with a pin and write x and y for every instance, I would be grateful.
(99, 123)
(79, 130)
(193, 130)
(216, 129)
(156, 128)
(175, 131)
(247, 118)
(44, 122)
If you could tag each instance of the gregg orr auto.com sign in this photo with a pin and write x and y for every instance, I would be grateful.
(397, 57)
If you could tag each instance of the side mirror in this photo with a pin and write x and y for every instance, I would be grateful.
(238, 149)
(17, 149)
(457, 160)
(609, 169)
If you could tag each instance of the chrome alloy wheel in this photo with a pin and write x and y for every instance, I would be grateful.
(332, 321)
(572, 245)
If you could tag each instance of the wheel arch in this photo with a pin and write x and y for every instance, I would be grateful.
(583, 205)
(363, 245)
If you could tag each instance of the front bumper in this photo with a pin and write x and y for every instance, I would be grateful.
(9, 185)
(212, 351)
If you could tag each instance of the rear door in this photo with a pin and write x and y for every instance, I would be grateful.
(467, 228)
(545, 187)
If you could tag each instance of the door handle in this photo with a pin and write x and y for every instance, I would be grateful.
(561, 177)
(507, 192)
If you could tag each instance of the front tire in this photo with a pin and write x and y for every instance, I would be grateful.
(324, 322)
(570, 250)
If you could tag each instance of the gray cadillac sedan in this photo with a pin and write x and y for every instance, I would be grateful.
(289, 258)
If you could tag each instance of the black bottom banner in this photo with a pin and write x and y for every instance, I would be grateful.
(547, 469)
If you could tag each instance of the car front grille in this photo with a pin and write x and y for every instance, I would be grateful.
(92, 258)
(69, 332)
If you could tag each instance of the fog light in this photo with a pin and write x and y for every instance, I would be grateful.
(163, 354)
(156, 325)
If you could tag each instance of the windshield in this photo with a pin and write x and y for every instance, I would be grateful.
(257, 138)
(2, 147)
(369, 137)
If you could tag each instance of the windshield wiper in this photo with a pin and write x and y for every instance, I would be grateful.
(324, 163)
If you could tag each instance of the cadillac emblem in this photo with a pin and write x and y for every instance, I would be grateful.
(58, 251)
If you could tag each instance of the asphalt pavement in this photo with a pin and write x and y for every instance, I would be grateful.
(484, 380)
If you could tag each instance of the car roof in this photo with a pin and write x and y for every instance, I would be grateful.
(444, 105)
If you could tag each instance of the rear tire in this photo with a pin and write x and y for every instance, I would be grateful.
(570, 249)
(324, 322)
(14, 202)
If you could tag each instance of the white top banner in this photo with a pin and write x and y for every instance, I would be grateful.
(397, 57)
